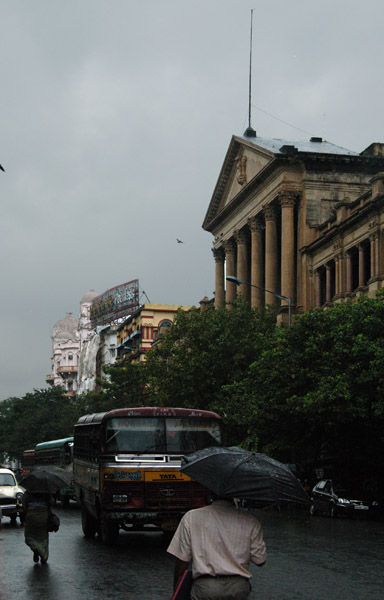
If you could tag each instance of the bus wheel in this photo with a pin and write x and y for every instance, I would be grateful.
(88, 522)
(109, 532)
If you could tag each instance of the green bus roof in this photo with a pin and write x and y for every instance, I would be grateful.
(53, 443)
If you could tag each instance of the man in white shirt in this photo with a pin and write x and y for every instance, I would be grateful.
(220, 540)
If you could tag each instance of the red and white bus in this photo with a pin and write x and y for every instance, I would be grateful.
(126, 466)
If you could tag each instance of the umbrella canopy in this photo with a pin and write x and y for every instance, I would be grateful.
(236, 473)
(46, 479)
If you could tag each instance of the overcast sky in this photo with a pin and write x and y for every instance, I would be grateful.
(115, 117)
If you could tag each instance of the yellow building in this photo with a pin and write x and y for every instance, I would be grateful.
(138, 332)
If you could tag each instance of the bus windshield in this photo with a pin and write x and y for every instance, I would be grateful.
(161, 435)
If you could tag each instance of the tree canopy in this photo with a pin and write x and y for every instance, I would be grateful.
(39, 416)
(203, 352)
(316, 390)
(311, 394)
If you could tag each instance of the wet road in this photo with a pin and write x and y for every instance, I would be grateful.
(309, 558)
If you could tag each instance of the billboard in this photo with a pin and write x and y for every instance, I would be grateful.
(120, 301)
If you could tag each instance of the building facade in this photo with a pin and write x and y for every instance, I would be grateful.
(141, 329)
(298, 220)
(65, 354)
(69, 341)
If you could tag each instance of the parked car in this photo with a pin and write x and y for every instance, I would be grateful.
(334, 500)
(11, 495)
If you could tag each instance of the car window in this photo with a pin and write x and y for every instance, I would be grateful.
(321, 485)
(7, 479)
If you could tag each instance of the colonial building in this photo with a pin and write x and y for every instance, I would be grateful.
(69, 341)
(141, 329)
(298, 220)
(65, 349)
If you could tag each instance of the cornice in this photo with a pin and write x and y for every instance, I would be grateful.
(310, 161)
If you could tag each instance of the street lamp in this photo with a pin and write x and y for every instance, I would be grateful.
(287, 298)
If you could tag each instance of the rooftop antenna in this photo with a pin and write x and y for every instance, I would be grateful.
(249, 132)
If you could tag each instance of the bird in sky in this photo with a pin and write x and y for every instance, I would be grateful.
(179, 241)
(2, 168)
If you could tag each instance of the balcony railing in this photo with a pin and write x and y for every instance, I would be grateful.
(67, 370)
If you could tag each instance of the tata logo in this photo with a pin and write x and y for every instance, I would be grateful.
(168, 477)
(167, 492)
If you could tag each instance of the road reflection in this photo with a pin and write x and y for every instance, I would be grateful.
(309, 558)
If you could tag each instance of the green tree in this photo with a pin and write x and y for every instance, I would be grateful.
(124, 385)
(204, 351)
(38, 416)
(201, 353)
(319, 385)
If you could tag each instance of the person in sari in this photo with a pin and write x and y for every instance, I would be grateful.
(36, 510)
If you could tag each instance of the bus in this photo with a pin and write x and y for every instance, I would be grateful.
(27, 462)
(126, 467)
(58, 453)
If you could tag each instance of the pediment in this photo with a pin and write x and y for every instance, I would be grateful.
(243, 162)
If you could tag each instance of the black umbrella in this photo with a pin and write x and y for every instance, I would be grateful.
(46, 479)
(236, 473)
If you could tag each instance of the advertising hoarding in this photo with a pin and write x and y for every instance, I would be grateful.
(117, 302)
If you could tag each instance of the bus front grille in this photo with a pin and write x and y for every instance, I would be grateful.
(178, 494)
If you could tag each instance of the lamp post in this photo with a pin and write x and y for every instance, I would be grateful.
(287, 298)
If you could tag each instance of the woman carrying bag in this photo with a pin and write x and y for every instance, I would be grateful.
(37, 510)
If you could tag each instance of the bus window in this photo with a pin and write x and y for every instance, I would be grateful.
(153, 434)
(189, 435)
(135, 435)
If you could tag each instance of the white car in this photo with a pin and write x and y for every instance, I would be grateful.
(11, 495)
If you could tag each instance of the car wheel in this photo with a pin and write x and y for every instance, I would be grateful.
(332, 511)
(13, 519)
(312, 510)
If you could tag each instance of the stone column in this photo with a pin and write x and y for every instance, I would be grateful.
(349, 271)
(373, 255)
(377, 254)
(337, 278)
(361, 266)
(218, 253)
(241, 238)
(328, 293)
(317, 288)
(341, 274)
(271, 258)
(229, 248)
(287, 201)
(257, 262)
(374, 247)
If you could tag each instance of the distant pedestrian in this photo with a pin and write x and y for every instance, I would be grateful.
(36, 509)
(220, 540)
